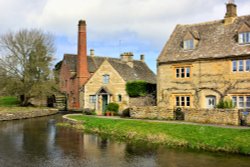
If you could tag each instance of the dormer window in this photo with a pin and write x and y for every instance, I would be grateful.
(188, 44)
(244, 37)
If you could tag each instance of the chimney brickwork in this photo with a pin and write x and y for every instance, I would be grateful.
(231, 12)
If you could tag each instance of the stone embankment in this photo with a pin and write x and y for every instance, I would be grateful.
(5, 116)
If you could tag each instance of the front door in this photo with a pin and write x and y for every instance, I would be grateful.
(104, 102)
(210, 102)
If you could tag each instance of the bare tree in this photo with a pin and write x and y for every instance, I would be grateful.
(25, 59)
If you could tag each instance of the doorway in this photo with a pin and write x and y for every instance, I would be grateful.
(210, 102)
(104, 102)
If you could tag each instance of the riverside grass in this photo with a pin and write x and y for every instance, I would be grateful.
(174, 135)
(9, 101)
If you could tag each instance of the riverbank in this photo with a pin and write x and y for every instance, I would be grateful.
(14, 113)
(175, 135)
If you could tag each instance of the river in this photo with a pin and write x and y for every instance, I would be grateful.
(39, 143)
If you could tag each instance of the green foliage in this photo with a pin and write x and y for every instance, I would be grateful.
(9, 101)
(88, 111)
(170, 134)
(25, 64)
(225, 104)
(113, 107)
(136, 88)
(126, 113)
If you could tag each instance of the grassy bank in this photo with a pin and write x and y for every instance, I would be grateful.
(177, 135)
(9, 101)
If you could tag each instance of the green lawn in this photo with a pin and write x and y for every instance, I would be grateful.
(189, 136)
(8, 101)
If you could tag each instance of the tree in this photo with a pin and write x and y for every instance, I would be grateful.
(25, 59)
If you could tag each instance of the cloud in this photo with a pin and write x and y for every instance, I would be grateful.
(113, 25)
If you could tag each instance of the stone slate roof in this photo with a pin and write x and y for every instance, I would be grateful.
(140, 70)
(215, 40)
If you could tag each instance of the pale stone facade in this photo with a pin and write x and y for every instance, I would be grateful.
(204, 63)
(207, 78)
(113, 89)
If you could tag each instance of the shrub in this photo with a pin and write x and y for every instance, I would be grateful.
(225, 104)
(179, 114)
(126, 113)
(88, 111)
(113, 107)
(136, 88)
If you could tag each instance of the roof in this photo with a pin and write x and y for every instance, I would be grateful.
(215, 40)
(139, 71)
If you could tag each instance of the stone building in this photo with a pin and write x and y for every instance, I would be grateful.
(91, 81)
(204, 63)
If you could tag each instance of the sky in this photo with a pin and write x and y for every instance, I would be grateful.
(113, 26)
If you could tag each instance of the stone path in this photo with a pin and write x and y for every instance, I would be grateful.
(175, 122)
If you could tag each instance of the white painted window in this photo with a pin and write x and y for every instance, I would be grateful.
(234, 63)
(183, 101)
(188, 44)
(92, 98)
(244, 37)
(248, 65)
(183, 72)
(241, 102)
(106, 79)
(248, 101)
(241, 65)
(234, 99)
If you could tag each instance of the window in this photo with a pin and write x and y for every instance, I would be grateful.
(248, 65)
(241, 102)
(189, 44)
(241, 65)
(183, 101)
(234, 99)
(248, 101)
(244, 37)
(119, 98)
(105, 79)
(92, 99)
(234, 66)
(182, 72)
(177, 72)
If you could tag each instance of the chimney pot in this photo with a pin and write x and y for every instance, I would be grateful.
(231, 9)
(92, 52)
(142, 57)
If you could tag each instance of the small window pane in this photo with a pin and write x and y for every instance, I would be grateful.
(248, 102)
(234, 99)
(187, 72)
(248, 65)
(105, 79)
(234, 66)
(177, 99)
(241, 102)
(177, 72)
(188, 101)
(182, 101)
(241, 65)
(182, 72)
(241, 38)
(92, 98)
(189, 44)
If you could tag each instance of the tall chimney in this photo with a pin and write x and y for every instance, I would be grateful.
(92, 52)
(231, 9)
(142, 58)
(82, 63)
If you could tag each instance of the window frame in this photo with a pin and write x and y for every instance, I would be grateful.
(106, 78)
(182, 100)
(183, 72)
(188, 44)
(92, 99)
(244, 38)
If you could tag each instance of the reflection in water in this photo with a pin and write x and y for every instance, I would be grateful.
(39, 143)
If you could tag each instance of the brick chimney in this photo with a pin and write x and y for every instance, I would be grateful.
(231, 12)
(82, 63)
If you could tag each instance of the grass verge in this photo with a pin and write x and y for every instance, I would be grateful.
(175, 135)
(8, 101)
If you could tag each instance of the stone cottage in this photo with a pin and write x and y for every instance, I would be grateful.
(205, 62)
(91, 81)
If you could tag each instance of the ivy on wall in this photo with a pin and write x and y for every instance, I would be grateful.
(139, 88)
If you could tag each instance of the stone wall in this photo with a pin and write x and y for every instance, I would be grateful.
(151, 112)
(214, 116)
(5, 116)
(149, 100)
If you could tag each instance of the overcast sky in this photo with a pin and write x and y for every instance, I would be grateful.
(114, 26)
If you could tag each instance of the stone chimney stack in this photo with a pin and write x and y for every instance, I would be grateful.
(82, 63)
(92, 52)
(128, 58)
(142, 58)
(231, 9)
(231, 13)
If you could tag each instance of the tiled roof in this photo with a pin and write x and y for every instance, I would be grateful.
(139, 71)
(215, 40)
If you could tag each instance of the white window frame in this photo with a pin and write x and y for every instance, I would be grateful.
(92, 99)
(183, 72)
(106, 79)
(247, 65)
(244, 37)
(188, 44)
(182, 101)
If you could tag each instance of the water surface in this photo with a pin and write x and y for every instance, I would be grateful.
(39, 143)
